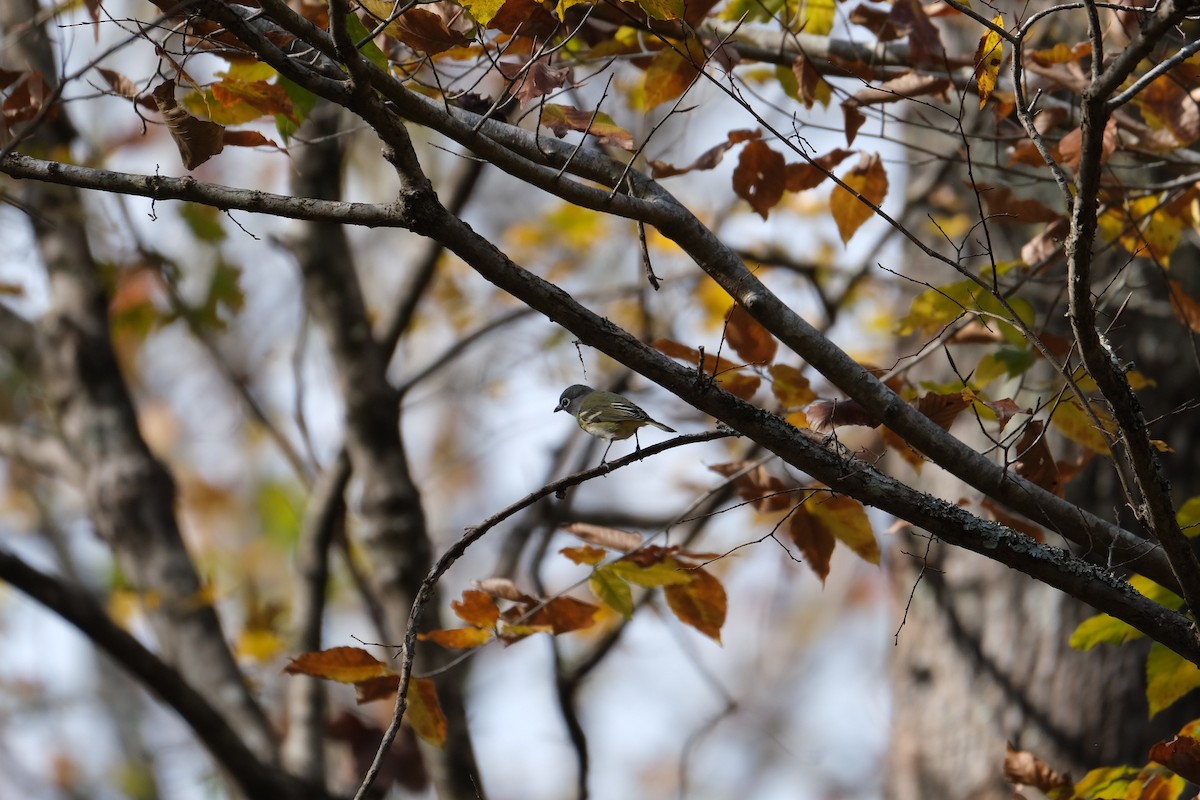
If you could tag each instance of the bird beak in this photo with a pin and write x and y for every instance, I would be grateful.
(558, 407)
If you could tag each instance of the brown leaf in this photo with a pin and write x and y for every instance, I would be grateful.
(341, 664)
(373, 689)
(586, 555)
(1047, 245)
(26, 100)
(604, 536)
(707, 160)
(799, 177)
(1069, 147)
(1061, 53)
(425, 712)
(1186, 308)
(527, 17)
(402, 764)
(534, 80)
(943, 408)
(869, 179)
(811, 85)
(727, 376)
(877, 21)
(1026, 769)
(504, 589)
(119, 83)
(766, 491)
(759, 177)
(853, 118)
(902, 448)
(1005, 207)
(477, 608)
(700, 603)
(825, 415)
(564, 614)
(909, 85)
(1180, 754)
(561, 119)
(1009, 520)
(197, 140)
(1005, 410)
(427, 32)
(813, 539)
(248, 139)
(924, 41)
(1034, 461)
(1166, 103)
(748, 338)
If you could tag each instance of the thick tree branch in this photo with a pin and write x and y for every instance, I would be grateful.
(1156, 510)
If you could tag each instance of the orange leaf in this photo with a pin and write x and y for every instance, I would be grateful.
(561, 119)
(846, 518)
(590, 556)
(1061, 53)
(700, 603)
(790, 387)
(748, 338)
(458, 638)
(425, 712)
(341, 664)
(815, 541)
(744, 386)
(759, 177)
(1186, 308)
(1034, 461)
(477, 608)
(869, 180)
(269, 98)
(668, 76)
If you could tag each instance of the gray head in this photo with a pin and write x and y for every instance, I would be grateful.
(567, 401)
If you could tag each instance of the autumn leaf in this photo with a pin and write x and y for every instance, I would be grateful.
(748, 338)
(664, 9)
(988, 58)
(943, 409)
(504, 589)
(458, 638)
(589, 556)
(759, 177)
(668, 77)
(1034, 461)
(758, 486)
(477, 608)
(846, 518)
(663, 572)
(800, 177)
(1070, 419)
(1169, 676)
(814, 540)
(811, 87)
(1026, 769)
(709, 159)
(425, 712)
(700, 603)
(1061, 53)
(1186, 308)
(869, 180)
(1180, 754)
(341, 664)
(604, 536)
(562, 119)
(790, 387)
(612, 590)
(727, 375)
(825, 415)
(373, 689)
(197, 140)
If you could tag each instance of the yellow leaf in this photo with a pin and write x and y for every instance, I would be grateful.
(869, 179)
(341, 664)
(458, 638)
(668, 76)
(846, 518)
(259, 644)
(1073, 422)
(425, 712)
(1169, 676)
(988, 58)
(667, 572)
(790, 387)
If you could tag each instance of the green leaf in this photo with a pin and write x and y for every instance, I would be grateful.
(1106, 783)
(358, 32)
(204, 222)
(1169, 676)
(1103, 629)
(664, 9)
(303, 102)
(612, 590)
(1188, 517)
(667, 572)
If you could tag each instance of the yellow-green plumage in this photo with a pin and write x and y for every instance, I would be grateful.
(606, 415)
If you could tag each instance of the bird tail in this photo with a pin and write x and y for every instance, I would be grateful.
(661, 427)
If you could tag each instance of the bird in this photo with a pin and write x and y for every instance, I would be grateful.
(606, 415)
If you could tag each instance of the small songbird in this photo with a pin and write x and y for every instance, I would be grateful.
(606, 415)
